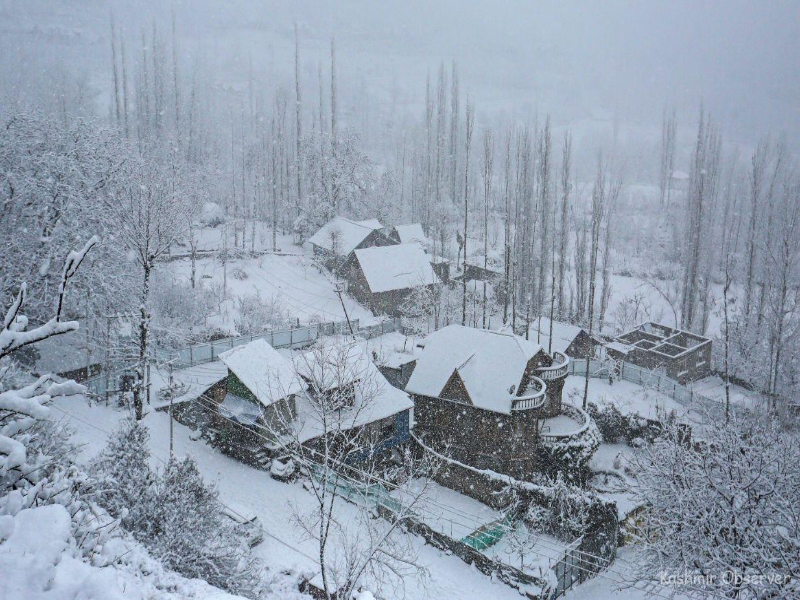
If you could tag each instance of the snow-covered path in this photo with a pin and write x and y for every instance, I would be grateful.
(255, 491)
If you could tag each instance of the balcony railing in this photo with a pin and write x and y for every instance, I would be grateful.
(557, 370)
(533, 398)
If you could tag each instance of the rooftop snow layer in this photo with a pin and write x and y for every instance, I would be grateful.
(344, 234)
(263, 370)
(375, 399)
(399, 267)
(491, 365)
(411, 233)
(333, 364)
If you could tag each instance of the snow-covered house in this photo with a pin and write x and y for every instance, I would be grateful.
(482, 395)
(335, 240)
(257, 400)
(381, 278)
(346, 388)
(268, 399)
(682, 355)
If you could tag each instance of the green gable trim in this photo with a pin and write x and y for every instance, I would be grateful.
(236, 387)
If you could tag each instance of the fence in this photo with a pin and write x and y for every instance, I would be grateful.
(294, 337)
(646, 378)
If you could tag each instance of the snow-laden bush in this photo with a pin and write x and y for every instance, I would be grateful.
(212, 214)
(175, 514)
(179, 311)
(257, 315)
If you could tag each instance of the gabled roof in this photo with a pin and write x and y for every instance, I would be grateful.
(263, 370)
(411, 233)
(398, 267)
(490, 364)
(333, 364)
(347, 234)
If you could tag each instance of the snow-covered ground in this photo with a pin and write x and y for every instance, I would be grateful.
(303, 292)
(628, 397)
(448, 512)
(284, 546)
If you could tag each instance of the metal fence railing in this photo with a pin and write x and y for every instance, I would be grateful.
(197, 354)
(646, 378)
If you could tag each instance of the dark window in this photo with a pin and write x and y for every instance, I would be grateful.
(387, 430)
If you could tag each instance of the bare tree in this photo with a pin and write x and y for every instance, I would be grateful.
(667, 166)
(150, 206)
(488, 163)
(598, 209)
(331, 437)
(566, 187)
(470, 120)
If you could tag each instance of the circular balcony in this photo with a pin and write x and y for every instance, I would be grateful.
(535, 396)
(557, 370)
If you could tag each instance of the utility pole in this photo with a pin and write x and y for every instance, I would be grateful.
(338, 290)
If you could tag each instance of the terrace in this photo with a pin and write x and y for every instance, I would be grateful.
(557, 370)
(533, 398)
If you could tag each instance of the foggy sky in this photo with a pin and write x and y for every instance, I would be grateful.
(576, 60)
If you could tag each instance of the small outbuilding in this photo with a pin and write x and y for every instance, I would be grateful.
(682, 355)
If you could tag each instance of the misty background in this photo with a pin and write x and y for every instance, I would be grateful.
(605, 69)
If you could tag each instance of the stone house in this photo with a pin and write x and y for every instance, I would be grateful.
(381, 278)
(682, 355)
(481, 396)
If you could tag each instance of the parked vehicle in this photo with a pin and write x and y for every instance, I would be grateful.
(246, 523)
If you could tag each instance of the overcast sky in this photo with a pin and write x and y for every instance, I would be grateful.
(576, 60)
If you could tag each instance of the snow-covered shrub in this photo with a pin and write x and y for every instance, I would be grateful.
(174, 513)
(185, 529)
(124, 470)
(179, 311)
(212, 214)
(609, 420)
(257, 315)
(239, 274)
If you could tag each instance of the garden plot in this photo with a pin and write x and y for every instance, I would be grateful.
(533, 553)
(446, 511)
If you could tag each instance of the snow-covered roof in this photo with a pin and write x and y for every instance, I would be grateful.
(619, 347)
(263, 370)
(346, 233)
(490, 363)
(411, 233)
(397, 267)
(333, 364)
(375, 398)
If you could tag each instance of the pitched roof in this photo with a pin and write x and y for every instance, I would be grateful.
(341, 361)
(488, 362)
(397, 267)
(411, 233)
(346, 233)
(263, 370)
(333, 363)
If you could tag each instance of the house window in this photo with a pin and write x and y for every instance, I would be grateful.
(387, 430)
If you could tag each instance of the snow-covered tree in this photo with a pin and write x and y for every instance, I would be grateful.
(150, 206)
(721, 515)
